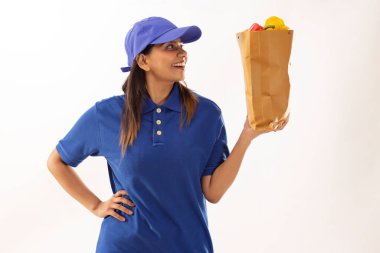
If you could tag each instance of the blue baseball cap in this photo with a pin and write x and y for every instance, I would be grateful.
(155, 30)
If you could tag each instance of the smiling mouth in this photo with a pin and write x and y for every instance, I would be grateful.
(180, 65)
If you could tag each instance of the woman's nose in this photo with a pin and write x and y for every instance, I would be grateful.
(182, 53)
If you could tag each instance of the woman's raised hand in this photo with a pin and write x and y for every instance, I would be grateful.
(254, 133)
(108, 207)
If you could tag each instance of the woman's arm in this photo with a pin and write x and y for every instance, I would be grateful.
(70, 181)
(217, 184)
(72, 184)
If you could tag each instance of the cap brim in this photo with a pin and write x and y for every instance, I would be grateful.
(187, 34)
(125, 69)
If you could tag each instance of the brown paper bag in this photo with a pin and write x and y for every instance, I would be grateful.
(265, 57)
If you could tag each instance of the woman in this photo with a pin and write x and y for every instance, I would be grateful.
(165, 146)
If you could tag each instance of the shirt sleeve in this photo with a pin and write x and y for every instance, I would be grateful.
(82, 140)
(220, 151)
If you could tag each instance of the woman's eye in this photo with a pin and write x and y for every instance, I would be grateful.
(171, 46)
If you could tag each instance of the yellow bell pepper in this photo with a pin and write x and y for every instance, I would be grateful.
(275, 23)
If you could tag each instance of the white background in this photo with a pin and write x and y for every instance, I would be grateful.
(312, 187)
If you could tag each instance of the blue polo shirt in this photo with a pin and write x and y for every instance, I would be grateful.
(161, 171)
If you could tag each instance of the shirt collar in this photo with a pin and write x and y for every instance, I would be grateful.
(172, 103)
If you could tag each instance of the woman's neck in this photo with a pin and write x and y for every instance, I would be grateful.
(159, 93)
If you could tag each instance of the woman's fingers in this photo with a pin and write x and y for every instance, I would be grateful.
(120, 193)
(118, 197)
(115, 204)
(125, 201)
(117, 216)
(122, 208)
(283, 123)
(280, 126)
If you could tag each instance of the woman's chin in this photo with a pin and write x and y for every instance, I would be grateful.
(181, 78)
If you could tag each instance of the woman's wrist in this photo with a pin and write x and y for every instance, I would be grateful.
(247, 135)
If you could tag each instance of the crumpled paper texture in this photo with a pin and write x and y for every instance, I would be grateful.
(265, 57)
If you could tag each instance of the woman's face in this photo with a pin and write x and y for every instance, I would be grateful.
(161, 61)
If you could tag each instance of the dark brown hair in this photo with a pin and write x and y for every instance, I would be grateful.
(135, 92)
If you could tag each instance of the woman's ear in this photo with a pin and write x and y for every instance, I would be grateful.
(142, 62)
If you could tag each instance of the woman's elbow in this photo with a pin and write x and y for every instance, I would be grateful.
(212, 199)
(53, 160)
